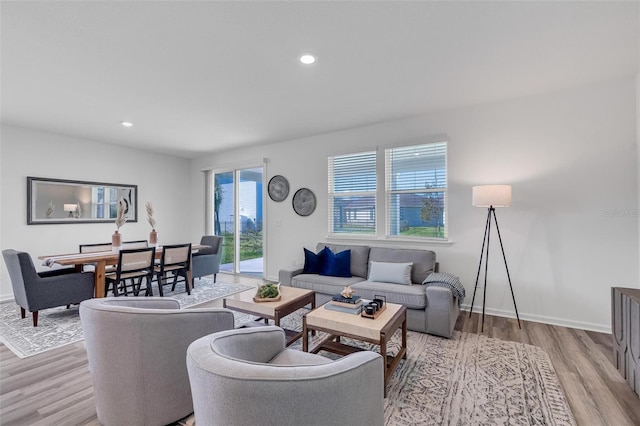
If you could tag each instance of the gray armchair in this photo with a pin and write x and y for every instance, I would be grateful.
(248, 377)
(207, 261)
(35, 291)
(136, 349)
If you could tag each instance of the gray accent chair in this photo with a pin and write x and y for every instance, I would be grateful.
(136, 349)
(34, 291)
(248, 377)
(207, 261)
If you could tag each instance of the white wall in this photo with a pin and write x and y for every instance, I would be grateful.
(571, 157)
(161, 179)
(638, 145)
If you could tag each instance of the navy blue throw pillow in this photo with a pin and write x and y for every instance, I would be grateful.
(313, 262)
(337, 264)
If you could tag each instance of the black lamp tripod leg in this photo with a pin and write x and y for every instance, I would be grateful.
(484, 240)
(507, 268)
(486, 269)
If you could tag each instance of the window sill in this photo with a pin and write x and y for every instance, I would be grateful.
(388, 240)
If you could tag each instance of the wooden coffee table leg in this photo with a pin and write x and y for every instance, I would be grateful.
(385, 362)
(313, 306)
(305, 335)
(404, 338)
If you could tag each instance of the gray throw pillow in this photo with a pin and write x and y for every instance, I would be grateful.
(385, 272)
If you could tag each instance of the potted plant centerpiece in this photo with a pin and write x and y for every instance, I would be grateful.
(269, 292)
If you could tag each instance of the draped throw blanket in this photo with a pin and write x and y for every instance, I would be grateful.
(449, 281)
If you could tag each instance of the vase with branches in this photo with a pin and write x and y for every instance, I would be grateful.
(153, 235)
(121, 219)
(50, 209)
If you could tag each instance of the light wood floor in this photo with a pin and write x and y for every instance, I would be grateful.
(54, 388)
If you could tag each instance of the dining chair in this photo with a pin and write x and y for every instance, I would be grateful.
(128, 245)
(95, 248)
(174, 263)
(133, 265)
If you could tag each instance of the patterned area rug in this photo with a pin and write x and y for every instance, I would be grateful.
(60, 326)
(466, 380)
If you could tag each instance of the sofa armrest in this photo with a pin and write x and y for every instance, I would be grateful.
(285, 275)
(442, 311)
(439, 297)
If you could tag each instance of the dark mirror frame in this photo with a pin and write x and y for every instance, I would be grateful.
(37, 204)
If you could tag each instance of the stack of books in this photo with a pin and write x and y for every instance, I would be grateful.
(339, 303)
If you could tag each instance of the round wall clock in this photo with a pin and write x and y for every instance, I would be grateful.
(304, 202)
(278, 188)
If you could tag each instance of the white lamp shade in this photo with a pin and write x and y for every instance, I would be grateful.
(491, 195)
(70, 207)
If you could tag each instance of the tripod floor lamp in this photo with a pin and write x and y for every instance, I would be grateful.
(491, 196)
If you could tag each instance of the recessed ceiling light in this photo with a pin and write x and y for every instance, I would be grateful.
(126, 123)
(307, 59)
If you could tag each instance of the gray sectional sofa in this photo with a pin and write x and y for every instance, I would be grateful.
(431, 309)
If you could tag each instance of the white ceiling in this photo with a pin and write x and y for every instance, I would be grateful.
(197, 77)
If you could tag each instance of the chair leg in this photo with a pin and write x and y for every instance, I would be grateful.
(34, 315)
(146, 289)
(186, 282)
(175, 281)
(214, 278)
(23, 313)
(68, 306)
(115, 288)
(160, 286)
(136, 287)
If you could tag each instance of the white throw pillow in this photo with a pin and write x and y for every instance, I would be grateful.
(385, 272)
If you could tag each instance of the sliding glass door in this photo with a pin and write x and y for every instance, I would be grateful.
(238, 218)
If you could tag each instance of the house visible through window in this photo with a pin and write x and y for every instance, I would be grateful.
(414, 193)
(352, 193)
(415, 190)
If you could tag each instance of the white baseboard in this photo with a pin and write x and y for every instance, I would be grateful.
(6, 298)
(563, 322)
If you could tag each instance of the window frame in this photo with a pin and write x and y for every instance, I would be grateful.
(332, 194)
(389, 193)
(382, 196)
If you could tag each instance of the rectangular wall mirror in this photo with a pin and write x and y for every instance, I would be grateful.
(71, 201)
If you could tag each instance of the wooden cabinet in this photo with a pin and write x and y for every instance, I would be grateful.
(625, 329)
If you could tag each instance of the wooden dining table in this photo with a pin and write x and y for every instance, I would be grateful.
(101, 260)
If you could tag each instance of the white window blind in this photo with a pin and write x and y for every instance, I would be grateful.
(352, 193)
(416, 191)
